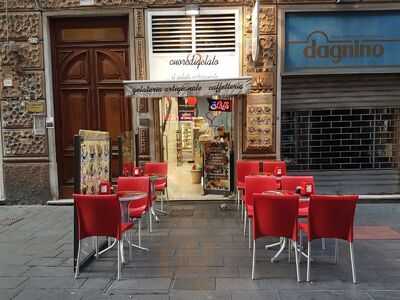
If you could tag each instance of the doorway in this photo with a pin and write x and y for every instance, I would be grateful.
(188, 126)
(90, 59)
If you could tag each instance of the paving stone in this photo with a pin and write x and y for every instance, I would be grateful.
(41, 271)
(12, 271)
(206, 284)
(7, 294)
(47, 262)
(11, 282)
(96, 284)
(54, 283)
(200, 295)
(141, 284)
(45, 294)
(384, 295)
(255, 295)
(322, 295)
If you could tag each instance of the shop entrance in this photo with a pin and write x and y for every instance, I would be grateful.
(198, 139)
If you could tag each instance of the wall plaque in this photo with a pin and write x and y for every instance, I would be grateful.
(35, 107)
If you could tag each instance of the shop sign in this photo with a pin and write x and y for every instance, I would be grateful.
(220, 105)
(35, 106)
(342, 42)
(186, 115)
(185, 88)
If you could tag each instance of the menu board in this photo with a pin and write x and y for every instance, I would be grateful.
(216, 168)
(259, 132)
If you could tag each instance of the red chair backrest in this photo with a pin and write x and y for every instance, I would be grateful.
(291, 183)
(139, 184)
(156, 168)
(332, 216)
(270, 167)
(98, 215)
(245, 168)
(258, 184)
(275, 215)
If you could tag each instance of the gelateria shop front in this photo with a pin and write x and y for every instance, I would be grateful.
(194, 91)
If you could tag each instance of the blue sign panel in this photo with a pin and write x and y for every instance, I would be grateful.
(335, 42)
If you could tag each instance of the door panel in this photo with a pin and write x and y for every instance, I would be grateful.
(112, 65)
(88, 87)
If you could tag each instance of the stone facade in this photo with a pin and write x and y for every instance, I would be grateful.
(22, 61)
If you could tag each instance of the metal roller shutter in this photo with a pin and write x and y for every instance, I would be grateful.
(344, 129)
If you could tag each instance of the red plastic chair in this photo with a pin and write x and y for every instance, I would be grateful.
(100, 215)
(274, 167)
(306, 186)
(331, 217)
(161, 185)
(244, 168)
(276, 216)
(137, 208)
(255, 184)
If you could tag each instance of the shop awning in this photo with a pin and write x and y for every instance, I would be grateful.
(184, 88)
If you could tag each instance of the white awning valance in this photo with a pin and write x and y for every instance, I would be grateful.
(185, 88)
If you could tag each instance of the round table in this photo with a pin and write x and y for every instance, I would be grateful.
(124, 198)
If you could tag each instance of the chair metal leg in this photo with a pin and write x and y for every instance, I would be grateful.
(336, 251)
(296, 255)
(130, 244)
(254, 260)
(244, 223)
(283, 245)
(249, 233)
(323, 244)
(119, 261)
(353, 266)
(308, 261)
(77, 260)
(289, 251)
(139, 246)
(97, 247)
(150, 221)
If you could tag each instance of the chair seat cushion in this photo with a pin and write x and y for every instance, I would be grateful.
(137, 212)
(161, 186)
(304, 227)
(303, 212)
(126, 226)
(250, 211)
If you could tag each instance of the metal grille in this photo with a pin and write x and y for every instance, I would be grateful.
(333, 139)
(186, 34)
(215, 33)
(171, 34)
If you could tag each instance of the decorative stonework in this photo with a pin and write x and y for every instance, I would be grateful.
(14, 115)
(23, 143)
(21, 26)
(75, 3)
(19, 4)
(27, 86)
(140, 58)
(139, 23)
(266, 59)
(21, 55)
(267, 20)
(263, 82)
(31, 55)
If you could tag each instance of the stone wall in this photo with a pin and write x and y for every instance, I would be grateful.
(21, 60)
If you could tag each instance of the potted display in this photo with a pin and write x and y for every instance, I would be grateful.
(196, 174)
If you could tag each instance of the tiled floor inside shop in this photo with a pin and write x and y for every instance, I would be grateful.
(198, 252)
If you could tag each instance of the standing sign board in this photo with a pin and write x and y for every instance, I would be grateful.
(342, 42)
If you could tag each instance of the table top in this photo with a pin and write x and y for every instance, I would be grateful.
(131, 195)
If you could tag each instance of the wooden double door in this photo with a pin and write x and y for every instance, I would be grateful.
(90, 60)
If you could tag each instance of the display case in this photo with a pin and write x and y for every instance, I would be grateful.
(216, 168)
(187, 140)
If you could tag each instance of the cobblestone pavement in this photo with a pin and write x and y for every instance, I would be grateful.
(193, 256)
